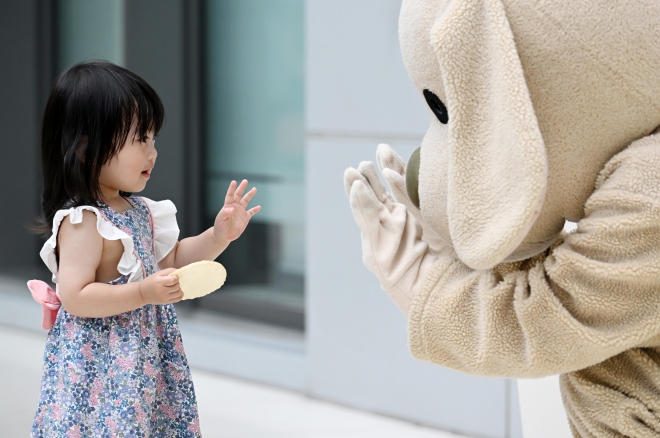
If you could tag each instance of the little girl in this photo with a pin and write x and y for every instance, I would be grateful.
(114, 362)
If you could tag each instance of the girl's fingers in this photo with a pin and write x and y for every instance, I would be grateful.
(240, 189)
(171, 280)
(231, 191)
(173, 289)
(225, 213)
(254, 210)
(248, 197)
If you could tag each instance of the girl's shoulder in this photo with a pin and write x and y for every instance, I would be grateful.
(128, 265)
(163, 219)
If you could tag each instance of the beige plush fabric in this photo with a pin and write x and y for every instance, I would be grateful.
(552, 105)
(556, 86)
(591, 309)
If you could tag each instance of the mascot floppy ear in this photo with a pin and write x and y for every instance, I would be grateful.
(497, 170)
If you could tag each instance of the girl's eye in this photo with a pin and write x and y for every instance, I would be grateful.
(146, 137)
(436, 105)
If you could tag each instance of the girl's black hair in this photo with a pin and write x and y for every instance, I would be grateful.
(89, 115)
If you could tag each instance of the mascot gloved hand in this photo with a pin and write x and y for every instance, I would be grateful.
(541, 112)
(394, 251)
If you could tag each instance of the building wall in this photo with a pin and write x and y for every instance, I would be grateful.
(90, 29)
(21, 100)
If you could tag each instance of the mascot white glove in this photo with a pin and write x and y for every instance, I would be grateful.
(392, 247)
(393, 168)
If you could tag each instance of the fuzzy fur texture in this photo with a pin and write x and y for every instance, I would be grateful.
(556, 86)
(552, 107)
(589, 309)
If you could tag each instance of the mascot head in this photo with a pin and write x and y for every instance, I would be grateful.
(528, 101)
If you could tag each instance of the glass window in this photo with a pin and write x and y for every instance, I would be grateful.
(255, 130)
(90, 29)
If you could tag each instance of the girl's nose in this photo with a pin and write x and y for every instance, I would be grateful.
(153, 153)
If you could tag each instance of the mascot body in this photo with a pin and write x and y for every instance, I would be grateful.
(541, 112)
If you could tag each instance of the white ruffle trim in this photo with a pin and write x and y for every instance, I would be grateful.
(128, 264)
(166, 229)
(166, 234)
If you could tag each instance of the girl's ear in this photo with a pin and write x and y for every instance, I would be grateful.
(497, 174)
(81, 147)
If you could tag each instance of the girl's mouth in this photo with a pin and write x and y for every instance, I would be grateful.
(146, 173)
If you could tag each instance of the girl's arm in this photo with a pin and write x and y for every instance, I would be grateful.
(193, 249)
(230, 223)
(80, 251)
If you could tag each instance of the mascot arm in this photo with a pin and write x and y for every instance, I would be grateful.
(392, 245)
(596, 295)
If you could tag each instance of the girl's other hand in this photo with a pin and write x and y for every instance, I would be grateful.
(234, 215)
(161, 288)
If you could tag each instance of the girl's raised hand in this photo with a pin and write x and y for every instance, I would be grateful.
(234, 216)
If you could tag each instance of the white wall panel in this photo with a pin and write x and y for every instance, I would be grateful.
(356, 81)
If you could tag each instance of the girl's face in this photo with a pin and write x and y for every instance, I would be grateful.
(130, 169)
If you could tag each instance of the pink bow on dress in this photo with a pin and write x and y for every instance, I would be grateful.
(49, 300)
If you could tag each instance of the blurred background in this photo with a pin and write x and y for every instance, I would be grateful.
(285, 93)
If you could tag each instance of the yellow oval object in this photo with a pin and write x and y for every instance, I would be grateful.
(200, 278)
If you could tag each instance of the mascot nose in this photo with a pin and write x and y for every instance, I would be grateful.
(412, 177)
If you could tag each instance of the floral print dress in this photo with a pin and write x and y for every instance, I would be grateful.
(124, 375)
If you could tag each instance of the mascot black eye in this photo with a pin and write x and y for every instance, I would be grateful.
(436, 105)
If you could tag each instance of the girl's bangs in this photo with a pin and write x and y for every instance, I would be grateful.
(148, 113)
(141, 112)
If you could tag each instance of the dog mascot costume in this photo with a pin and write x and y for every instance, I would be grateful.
(541, 112)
